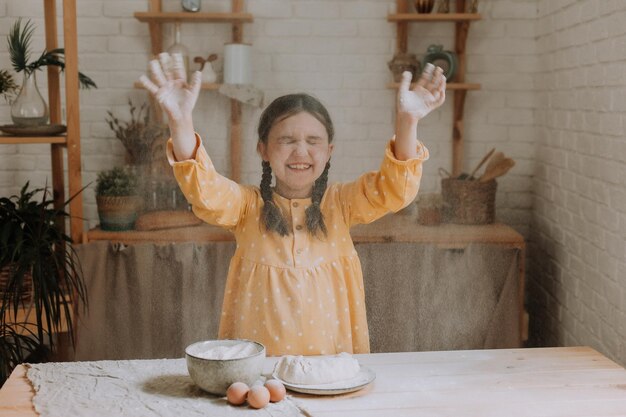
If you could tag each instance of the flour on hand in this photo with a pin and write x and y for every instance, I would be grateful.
(312, 370)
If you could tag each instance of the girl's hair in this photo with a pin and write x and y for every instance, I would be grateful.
(279, 109)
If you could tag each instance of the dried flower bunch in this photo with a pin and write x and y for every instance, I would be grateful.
(137, 135)
(8, 88)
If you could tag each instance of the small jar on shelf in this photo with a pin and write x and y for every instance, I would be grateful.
(179, 48)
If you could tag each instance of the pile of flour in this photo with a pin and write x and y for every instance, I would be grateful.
(240, 350)
(313, 370)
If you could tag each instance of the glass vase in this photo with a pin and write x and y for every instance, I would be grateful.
(29, 108)
(179, 48)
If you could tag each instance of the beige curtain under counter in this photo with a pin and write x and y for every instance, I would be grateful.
(151, 300)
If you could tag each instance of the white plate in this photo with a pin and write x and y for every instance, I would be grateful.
(364, 377)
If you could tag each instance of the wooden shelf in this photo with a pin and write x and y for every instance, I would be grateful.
(164, 17)
(449, 86)
(201, 233)
(25, 140)
(391, 228)
(205, 86)
(461, 21)
(70, 141)
(433, 17)
(155, 17)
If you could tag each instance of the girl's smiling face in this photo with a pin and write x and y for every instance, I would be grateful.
(297, 149)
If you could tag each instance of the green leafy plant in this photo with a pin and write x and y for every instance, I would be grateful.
(8, 88)
(137, 135)
(19, 40)
(35, 256)
(116, 182)
(17, 344)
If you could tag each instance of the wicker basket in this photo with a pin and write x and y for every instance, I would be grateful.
(468, 201)
(25, 290)
(118, 213)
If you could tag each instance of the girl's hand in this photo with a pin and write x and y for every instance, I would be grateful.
(428, 94)
(168, 84)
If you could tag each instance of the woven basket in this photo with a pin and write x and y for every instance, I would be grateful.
(468, 201)
(118, 213)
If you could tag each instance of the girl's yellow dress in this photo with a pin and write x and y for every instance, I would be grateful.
(299, 294)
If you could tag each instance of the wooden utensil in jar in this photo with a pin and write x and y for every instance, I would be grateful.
(497, 169)
(482, 162)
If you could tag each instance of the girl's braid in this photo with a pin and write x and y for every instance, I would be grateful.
(314, 217)
(272, 217)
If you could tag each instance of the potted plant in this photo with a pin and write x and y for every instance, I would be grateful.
(40, 274)
(117, 198)
(29, 108)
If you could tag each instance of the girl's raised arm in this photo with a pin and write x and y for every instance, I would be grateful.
(168, 85)
(414, 104)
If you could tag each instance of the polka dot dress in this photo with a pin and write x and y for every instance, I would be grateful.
(298, 294)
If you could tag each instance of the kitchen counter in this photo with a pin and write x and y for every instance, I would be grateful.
(391, 228)
(564, 382)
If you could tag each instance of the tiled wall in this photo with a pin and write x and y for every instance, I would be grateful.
(577, 280)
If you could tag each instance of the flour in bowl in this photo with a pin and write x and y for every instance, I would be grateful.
(237, 351)
(313, 370)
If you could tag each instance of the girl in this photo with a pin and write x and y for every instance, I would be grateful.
(295, 282)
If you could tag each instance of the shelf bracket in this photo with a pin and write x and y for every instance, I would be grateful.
(155, 28)
(458, 130)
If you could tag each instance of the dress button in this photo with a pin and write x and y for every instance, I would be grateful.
(299, 227)
(299, 251)
(295, 204)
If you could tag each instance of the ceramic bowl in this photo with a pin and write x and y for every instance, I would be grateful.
(216, 375)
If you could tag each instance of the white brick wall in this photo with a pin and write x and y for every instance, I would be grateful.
(577, 274)
(337, 51)
(553, 97)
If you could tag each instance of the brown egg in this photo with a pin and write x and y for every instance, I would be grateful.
(258, 397)
(237, 392)
(277, 390)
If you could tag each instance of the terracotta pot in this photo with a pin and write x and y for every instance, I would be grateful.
(429, 216)
(429, 209)
(118, 213)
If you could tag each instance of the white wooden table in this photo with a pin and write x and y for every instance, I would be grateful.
(576, 381)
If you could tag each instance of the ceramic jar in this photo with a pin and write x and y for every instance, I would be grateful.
(447, 60)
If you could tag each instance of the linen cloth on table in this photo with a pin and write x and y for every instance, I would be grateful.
(137, 388)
